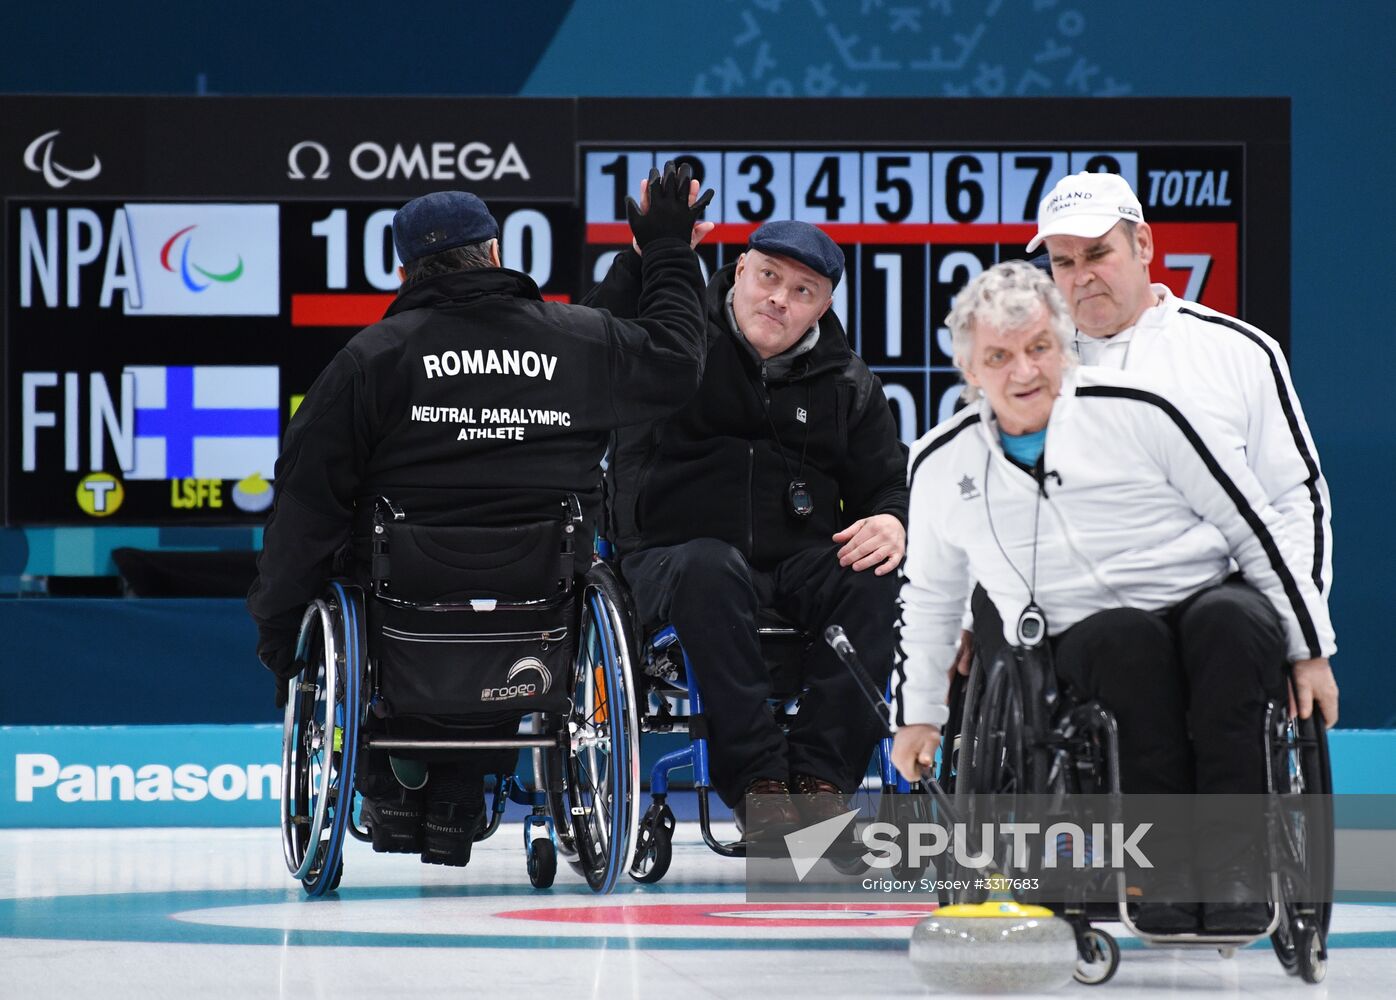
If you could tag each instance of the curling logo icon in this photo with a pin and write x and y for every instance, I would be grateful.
(38, 157)
(227, 277)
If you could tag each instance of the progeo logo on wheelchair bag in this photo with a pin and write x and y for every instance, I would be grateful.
(523, 689)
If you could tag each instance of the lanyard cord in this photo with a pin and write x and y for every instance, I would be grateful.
(780, 447)
(1036, 512)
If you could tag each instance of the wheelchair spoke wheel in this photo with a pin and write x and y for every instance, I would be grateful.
(319, 742)
(1302, 857)
(996, 763)
(603, 759)
(1003, 745)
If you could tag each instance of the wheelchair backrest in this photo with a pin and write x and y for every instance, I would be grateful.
(459, 564)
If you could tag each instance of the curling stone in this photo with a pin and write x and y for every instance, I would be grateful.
(996, 947)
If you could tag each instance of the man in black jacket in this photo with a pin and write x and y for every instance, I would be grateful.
(473, 401)
(782, 483)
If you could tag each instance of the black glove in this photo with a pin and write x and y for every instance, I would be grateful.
(670, 216)
(277, 651)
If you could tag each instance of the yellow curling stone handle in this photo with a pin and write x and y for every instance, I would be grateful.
(993, 909)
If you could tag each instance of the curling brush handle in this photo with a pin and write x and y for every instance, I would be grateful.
(842, 646)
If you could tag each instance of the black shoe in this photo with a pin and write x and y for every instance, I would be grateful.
(455, 811)
(394, 821)
(817, 800)
(1235, 918)
(765, 811)
(1166, 918)
(1168, 906)
(1238, 906)
(450, 833)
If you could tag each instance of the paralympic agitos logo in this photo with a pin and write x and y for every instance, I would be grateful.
(185, 239)
(39, 157)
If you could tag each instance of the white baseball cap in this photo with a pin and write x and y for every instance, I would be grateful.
(1085, 205)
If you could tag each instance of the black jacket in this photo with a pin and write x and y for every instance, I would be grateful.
(473, 401)
(721, 467)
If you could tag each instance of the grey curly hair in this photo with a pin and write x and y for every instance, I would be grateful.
(1006, 296)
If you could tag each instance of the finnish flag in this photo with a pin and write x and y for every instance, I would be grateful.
(205, 421)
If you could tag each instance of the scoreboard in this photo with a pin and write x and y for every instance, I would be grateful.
(178, 270)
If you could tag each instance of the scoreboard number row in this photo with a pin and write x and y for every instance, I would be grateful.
(525, 238)
(913, 186)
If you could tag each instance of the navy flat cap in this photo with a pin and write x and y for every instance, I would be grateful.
(803, 242)
(439, 221)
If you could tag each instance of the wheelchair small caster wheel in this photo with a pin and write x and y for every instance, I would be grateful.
(1227, 952)
(1313, 964)
(1104, 960)
(542, 863)
(654, 852)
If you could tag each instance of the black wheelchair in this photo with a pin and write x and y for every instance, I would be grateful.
(455, 625)
(1018, 733)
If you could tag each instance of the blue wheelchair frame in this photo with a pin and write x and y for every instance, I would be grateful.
(653, 849)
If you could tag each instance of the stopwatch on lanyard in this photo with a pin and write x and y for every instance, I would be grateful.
(1032, 622)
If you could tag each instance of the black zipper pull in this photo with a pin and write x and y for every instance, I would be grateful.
(1042, 475)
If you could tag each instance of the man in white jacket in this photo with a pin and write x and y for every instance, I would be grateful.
(1100, 249)
(1116, 511)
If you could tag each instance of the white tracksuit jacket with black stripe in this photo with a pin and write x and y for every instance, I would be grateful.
(1238, 376)
(1143, 502)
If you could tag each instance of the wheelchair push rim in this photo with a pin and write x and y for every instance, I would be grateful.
(603, 762)
(319, 742)
(1301, 766)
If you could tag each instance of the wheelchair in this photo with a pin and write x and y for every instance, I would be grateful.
(666, 681)
(458, 624)
(1019, 734)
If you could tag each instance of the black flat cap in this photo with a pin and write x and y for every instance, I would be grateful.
(803, 242)
(439, 221)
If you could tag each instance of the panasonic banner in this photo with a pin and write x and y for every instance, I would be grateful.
(79, 776)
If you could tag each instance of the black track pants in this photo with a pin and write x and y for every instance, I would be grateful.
(711, 596)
